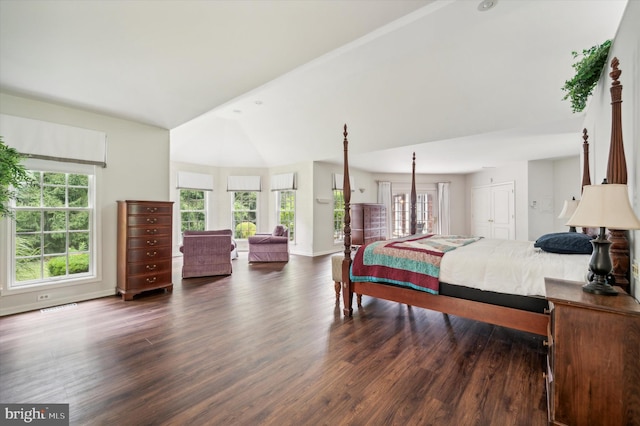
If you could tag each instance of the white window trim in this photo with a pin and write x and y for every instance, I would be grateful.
(206, 209)
(295, 211)
(96, 255)
(232, 211)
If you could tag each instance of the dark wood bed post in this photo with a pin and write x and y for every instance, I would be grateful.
(347, 293)
(586, 176)
(617, 173)
(413, 216)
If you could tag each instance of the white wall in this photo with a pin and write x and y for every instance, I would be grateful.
(626, 47)
(323, 242)
(540, 198)
(304, 235)
(219, 201)
(458, 202)
(136, 153)
(567, 181)
(515, 172)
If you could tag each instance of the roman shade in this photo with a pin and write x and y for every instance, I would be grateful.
(189, 180)
(283, 182)
(244, 183)
(52, 141)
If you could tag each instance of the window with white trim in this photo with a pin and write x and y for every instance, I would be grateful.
(286, 213)
(244, 213)
(401, 214)
(53, 235)
(193, 210)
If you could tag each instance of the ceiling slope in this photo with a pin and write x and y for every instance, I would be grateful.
(268, 83)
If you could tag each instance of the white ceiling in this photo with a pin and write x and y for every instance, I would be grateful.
(266, 83)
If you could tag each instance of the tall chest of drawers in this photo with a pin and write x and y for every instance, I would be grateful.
(144, 247)
(368, 223)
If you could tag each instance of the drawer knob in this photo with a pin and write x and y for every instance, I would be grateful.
(152, 231)
(152, 209)
(151, 267)
(152, 243)
(152, 279)
(152, 220)
(151, 253)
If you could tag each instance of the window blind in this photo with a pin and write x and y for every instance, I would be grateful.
(189, 180)
(244, 183)
(52, 141)
(283, 182)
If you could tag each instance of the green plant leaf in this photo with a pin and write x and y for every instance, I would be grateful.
(13, 175)
(587, 74)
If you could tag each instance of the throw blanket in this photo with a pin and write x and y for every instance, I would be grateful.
(412, 261)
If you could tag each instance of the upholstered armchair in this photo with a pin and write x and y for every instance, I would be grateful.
(207, 253)
(272, 247)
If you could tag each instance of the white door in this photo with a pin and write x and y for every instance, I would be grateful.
(503, 217)
(493, 211)
(481, 212)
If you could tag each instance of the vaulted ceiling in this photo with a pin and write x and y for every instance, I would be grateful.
(261, 83)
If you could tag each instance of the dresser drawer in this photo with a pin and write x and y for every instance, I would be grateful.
(150, 267)
(149, 209)
(138, 282)
(146, 231)
(149, 220)
(150, 242)
(147, 254)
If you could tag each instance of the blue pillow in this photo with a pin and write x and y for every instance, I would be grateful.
(565, 243)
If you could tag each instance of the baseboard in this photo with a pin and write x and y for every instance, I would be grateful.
(61, 301)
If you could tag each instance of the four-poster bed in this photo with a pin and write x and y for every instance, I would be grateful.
(525, 312)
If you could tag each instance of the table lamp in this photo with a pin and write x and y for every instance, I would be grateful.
(568, 209)
(603, 206)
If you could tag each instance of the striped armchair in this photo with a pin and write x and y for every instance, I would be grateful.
(207, 253)
(272, 247)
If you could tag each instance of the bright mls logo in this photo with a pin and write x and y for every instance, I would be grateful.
(36, 414)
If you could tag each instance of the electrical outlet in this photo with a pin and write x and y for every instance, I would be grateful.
(44, 297)
(634, 270)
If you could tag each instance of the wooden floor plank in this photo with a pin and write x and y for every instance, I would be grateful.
(269, 345)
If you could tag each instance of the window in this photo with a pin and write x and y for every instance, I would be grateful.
(338, 215)
(193, 213)
(53, 231)
(286, 202)
(401, 216)
(244, 213)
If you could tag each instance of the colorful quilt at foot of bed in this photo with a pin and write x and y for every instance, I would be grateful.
(412, 261)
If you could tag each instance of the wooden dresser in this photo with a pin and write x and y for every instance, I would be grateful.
(368, 223)
(144, 246)
(593, 375)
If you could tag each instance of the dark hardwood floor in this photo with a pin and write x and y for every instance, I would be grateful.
(268, 345)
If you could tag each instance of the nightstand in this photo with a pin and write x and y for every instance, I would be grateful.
(593, 375)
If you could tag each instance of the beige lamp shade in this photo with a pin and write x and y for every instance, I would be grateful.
(568, 208)
(607, 206)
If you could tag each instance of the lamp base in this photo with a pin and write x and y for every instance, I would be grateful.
(595, 287)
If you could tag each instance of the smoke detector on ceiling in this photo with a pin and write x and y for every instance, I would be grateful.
(486, 5)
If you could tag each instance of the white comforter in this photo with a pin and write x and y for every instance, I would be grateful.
(509, 266)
